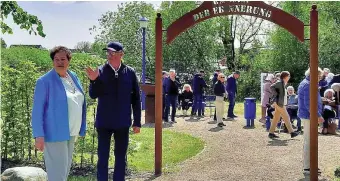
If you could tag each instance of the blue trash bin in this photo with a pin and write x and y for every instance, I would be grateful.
(250, 111)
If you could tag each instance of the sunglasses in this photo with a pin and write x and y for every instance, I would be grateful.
(112, 53)
(222, 77)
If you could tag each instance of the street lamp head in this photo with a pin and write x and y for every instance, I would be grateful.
(143, 22)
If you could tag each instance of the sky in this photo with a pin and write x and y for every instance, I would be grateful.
(65, 22)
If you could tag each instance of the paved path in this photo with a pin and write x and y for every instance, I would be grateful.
(234, 153)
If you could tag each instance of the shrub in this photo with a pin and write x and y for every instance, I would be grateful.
(337, 172)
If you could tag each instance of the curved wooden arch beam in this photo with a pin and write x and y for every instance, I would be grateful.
(210, 9)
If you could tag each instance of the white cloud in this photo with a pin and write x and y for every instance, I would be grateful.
(68, 2)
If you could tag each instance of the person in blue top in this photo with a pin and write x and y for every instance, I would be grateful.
(304, 114)
(231, 89)
(164, 78)
(198, 85)
(214, 80)
(58, 114)
(116, 87)
(172, 86)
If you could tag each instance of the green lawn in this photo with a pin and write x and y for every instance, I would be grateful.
(177, 147)
(74, 178)
(238, 110)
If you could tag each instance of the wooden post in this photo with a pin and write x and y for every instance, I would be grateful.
(313, 93)
(158, 96)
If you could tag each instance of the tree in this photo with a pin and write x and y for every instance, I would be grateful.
(3, 43)
(26, 21)
(123, 26)
(329, 30)
(84, 47)
(194, 49)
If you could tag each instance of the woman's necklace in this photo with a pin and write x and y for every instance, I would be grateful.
(67, 78)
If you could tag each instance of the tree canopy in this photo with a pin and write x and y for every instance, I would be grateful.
(25, 20)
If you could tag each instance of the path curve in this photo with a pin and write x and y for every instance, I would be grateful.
(234, 153)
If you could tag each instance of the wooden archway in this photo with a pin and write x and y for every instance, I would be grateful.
(209, 9)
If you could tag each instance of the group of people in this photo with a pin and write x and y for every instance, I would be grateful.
(59, 112)
(59, 109)
(188, 97)
(193, 95)
(281, 103)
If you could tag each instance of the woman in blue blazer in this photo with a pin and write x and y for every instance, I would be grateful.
(58, 115)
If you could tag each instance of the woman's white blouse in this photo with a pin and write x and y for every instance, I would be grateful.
(75, 101)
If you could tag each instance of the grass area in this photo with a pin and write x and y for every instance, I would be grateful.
(74, 178)
(238, 110)
(177, 147)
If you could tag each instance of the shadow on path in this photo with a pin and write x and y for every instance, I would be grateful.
(212, 122)
(151, 177)
(277, 142)
(246, 127)
(152, 125)
(216, 129)
(307, 178)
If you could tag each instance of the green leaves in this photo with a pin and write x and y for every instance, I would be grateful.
(3, 43)
(26, 21)
(196, 48)
(123, 26)
(20, 69)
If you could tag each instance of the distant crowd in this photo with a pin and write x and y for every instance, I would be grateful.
(281, 103)
(193, 95)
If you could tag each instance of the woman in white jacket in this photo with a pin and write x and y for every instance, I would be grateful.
(270, 79)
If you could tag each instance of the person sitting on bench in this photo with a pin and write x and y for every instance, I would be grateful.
(328, 109)
(187, 98)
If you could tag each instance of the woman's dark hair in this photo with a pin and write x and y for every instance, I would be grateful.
(58, 49)
(284, 74)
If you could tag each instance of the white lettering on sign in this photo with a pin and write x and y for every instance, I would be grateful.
(203, 14)
(224, 7)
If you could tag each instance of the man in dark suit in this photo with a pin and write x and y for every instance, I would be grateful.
(198, 85)
(231, 89)
(171, 89)
(214, 80)
(164, 78)
(116, 87)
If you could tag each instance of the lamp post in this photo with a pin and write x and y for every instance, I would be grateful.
(143, 24)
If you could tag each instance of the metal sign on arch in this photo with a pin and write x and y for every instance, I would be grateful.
(210, 9)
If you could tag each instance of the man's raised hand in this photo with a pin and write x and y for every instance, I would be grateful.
(92, 74)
